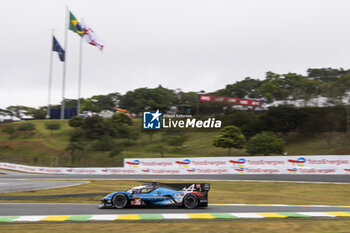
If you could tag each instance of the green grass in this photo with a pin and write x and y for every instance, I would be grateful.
(47, 148)
(256, 226)
(329, 143)
(222, 192)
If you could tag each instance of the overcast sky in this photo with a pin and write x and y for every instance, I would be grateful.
(188, 44)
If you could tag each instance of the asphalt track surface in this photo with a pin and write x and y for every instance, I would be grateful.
(15, 181)
(12, 181)
(284, 177)
(13, 185)
(21, 209)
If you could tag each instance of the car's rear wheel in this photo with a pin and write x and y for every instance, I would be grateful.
(120, 200)
(190, 201)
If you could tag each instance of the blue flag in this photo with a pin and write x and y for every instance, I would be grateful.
(57, 48)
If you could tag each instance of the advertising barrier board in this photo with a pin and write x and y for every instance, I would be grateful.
(330, 164)
(315, 164)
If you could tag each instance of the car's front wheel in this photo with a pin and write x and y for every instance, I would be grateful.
(120, 200)
(190, 201)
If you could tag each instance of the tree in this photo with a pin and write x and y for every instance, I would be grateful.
(98, 103)
(325, 74)
(18, 110)
(265, 143)
(107, 102)
(246, 88)
(76, 142)
(322, 120)
(26, 127)
(188, 98)
(141, 98)
(229, 137)
(177, 140)
(9, 129)
(157, 148)
(121, 118)
(52, 126)
(116, 150)
(72, 147)
(39, 113)
(174, 137)
(105, 143)
(76, 121)
(127, 133)
(89, 105)
(272, 87)
(120, 126)
(282, 119)
(70, 103)
(150, 133)
(248, 122)
(94, 127)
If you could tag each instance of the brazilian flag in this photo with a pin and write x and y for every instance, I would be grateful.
(74, 25)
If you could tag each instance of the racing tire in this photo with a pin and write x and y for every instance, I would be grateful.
(190, 201)
(120, 200)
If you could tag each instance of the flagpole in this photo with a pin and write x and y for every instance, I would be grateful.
(80, 73)
(64, 64)
(50, 78)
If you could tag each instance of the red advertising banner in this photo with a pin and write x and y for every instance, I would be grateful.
(231, 100)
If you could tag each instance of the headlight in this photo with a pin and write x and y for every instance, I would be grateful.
(105, 196)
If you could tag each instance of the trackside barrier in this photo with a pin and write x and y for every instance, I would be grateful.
(316, 164)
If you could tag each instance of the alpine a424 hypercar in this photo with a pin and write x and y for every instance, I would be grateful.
(188, 195)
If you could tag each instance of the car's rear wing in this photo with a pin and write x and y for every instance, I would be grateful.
(199, 187)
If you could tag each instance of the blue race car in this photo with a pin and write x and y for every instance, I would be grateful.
(189, 195)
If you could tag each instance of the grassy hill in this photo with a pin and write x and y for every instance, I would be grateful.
(44, 147)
